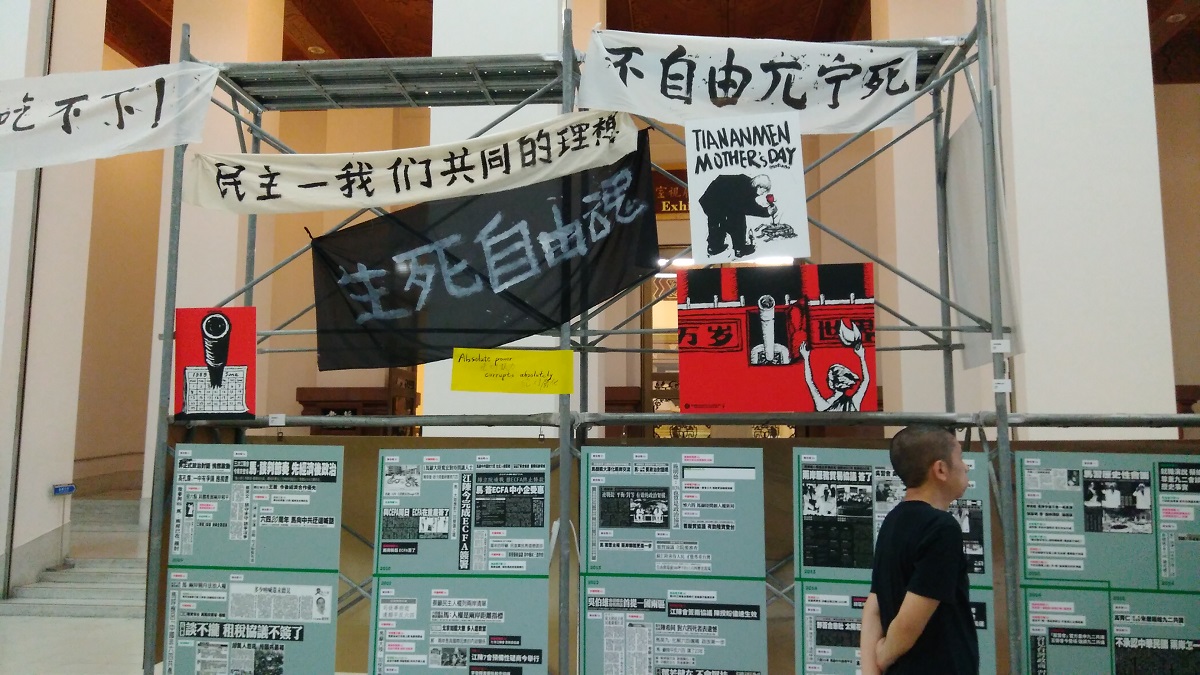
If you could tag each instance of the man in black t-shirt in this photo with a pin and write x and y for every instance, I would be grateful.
(917, 618)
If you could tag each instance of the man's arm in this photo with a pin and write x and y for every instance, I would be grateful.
(870, 635)
(904, 630)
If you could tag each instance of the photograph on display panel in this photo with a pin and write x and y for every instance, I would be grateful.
(837, 508)
(1117, 504)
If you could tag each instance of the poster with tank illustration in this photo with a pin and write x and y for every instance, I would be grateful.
(1126, 519)
(460, 624)
(463, 512)
(1104, 630)
(257, 506)
(673, 625)
(829, 623)
(789, 338)
(214, 363)
(746, 188)
(675, 511)
(250, 622)
(842, 496)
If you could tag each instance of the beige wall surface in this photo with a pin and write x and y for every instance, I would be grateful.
(118, 317)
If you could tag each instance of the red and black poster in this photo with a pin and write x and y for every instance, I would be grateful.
(214, 363)
(797, 338)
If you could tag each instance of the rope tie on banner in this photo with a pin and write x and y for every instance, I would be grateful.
(309, 233)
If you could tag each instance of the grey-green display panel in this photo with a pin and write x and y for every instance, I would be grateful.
(673, 626)
(1128, 520)
(485, 626)
(1080, 630)
(675, 511)
(248, 506)
(463, 512)
(842, 495)
(829, 616)
(250, 621)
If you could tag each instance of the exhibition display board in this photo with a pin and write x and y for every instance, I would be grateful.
(842, 496)
(252, 578)
(672, 561)
(1110, 561)
(462, 543)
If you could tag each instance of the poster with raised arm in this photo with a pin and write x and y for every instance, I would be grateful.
(794, 338)
(746, 188)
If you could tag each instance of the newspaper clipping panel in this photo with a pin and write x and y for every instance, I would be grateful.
(257, 506)
(673, 511)
(464, 512)
(673, 626)
(1125, 524)
(251, 622)
(485, 626)
(842, 496)
(829, 614)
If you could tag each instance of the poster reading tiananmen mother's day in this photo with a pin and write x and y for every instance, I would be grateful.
(746, 188)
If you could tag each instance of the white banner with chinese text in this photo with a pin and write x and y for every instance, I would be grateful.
(71, 117)
(567, 144)
(833, 87)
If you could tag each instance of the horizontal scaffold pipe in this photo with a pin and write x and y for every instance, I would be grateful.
(842, 419)
(797, 418)
(1167, 420)
(536, 420)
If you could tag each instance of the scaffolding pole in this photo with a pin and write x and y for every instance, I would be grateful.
(1005, 469)
(566, 429)
(161, 450)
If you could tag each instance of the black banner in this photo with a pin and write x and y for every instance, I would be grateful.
(485, 270)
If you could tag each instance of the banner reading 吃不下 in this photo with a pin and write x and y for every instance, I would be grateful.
(482, 271)
(249, 183)
(834, 88)
(71, 117)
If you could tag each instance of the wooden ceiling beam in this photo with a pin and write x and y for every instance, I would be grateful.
(1171, 22)
(137, 32)
(344, 28)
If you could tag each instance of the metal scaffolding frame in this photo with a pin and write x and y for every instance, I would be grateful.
(550, 78)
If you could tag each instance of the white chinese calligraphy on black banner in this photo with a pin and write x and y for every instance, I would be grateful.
(482, 271)
(833, 88)
(246, 183)
(71, 117)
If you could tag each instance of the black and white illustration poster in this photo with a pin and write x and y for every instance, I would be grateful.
(746, 189)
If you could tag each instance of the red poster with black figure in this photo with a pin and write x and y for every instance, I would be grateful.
(214, 363)
(797, 338)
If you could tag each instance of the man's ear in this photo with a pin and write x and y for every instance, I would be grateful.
(940, 469)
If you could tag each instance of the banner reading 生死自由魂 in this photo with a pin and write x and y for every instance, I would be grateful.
(249, 183)
(72, 117)
(833, 87)
(485, 270)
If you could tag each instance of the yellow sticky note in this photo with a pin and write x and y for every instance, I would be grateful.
(513, 371)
